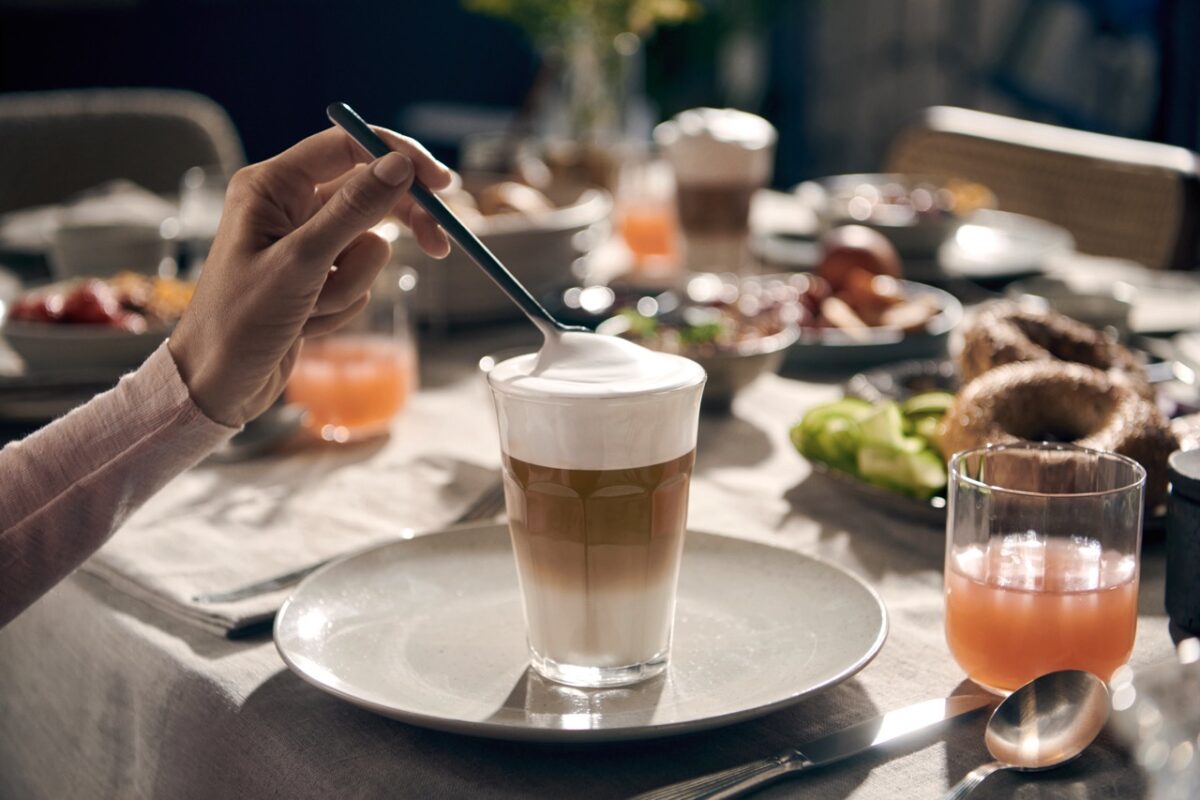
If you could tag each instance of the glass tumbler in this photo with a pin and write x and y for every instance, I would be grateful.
(646, 216)
(352, 383)
(596, 490)
(201, 201)
(1042, 559)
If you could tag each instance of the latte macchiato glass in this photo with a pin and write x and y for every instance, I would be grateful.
(720, 157)
(598, 440)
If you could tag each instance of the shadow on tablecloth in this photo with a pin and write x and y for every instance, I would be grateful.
(882, 543)
(427, 763)
(726, 442)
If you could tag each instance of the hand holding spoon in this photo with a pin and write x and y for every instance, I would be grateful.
(348, 120)
(1045, 723)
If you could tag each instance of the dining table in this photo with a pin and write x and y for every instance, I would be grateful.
(117, 685)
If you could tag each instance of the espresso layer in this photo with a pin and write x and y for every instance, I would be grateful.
(592, 530)
(713, 208)
(598, 556)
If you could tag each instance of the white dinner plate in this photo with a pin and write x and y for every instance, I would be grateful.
(429, 631)
(995, 245)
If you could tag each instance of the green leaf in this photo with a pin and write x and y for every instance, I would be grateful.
(640, 326)
(701, 334)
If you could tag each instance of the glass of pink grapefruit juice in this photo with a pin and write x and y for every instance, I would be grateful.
(354, 382)
(1042, 559)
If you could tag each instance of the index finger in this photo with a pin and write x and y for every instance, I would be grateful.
(329, 154)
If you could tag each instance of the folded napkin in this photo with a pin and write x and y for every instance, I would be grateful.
(223, 527)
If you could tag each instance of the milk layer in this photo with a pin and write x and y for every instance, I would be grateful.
(718, 145)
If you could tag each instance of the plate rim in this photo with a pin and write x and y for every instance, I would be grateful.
(493, 730)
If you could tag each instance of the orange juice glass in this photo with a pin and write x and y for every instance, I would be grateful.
(354, 382)
(1042, 544)
(646, 215)
(650, 232)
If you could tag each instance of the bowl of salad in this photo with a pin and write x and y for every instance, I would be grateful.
(735, 330)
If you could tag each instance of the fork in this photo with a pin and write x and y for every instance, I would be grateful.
(487, 505)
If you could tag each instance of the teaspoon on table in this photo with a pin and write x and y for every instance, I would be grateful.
(348, 120)
(1044, 724)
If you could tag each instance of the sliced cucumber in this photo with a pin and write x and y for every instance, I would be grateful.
(927, 429)
(878, 443)
(927, 403)
(885, 426)
(920, 474)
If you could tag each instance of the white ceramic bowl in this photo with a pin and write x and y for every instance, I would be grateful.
(538, 248)
(102, 251)
(917, 237)
(94, 350)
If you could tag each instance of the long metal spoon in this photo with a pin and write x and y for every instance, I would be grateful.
(348, 120)
(1044, 724)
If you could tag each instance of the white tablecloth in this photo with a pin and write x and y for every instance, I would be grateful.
(103, 696)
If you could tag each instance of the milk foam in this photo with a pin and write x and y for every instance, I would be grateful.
(588, 401)
(718, 145)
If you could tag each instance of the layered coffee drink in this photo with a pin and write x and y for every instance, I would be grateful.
(721, 157)
(598, 439)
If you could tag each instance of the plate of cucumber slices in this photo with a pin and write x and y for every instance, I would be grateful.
(887, 449)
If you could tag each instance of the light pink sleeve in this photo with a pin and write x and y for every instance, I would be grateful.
(66, 488)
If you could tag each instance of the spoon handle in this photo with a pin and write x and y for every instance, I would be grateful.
(971, 780)
(348, 120)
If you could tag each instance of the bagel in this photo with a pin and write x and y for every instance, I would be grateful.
(1056, 401)
(1004, 333)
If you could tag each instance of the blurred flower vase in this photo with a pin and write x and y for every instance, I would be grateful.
(591, 51)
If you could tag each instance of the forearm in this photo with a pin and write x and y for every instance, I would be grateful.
(66, 488)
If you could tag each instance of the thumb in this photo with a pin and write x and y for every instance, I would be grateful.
(359, 204)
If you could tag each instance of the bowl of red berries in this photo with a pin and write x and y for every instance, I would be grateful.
(95, 325)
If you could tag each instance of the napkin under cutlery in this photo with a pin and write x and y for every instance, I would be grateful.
(271, 516)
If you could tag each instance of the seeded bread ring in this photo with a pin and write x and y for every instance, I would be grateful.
(1057, 401)
(1004, 334)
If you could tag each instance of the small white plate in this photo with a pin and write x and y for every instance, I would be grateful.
(429, 631)
(994, 245)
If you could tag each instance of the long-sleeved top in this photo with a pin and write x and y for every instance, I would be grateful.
(65, 489)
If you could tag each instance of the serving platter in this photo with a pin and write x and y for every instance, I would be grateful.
(429, 631)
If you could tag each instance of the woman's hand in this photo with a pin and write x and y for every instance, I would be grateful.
(268, 282)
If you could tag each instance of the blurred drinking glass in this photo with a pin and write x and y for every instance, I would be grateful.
(354, 382)
(721, 157)
(1042, 547)
(1156, 711)
(201, 199)
(646, 216)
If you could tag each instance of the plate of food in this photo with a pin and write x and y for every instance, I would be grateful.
(916, 213)
(859, 312)
(539, 232)
(736, 330)
(1022, 375)
(94, 326)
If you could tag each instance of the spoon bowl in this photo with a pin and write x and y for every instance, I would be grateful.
(1048, 721)
(1044, 724)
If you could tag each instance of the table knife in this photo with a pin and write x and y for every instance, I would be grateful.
(843, 744)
